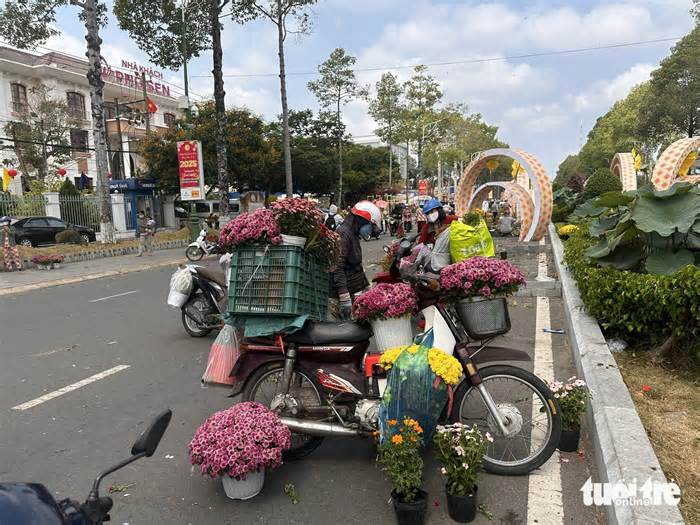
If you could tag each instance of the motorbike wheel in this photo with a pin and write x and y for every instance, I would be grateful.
(527, 404)
(194, 253)
(198, 307)
(262, 387)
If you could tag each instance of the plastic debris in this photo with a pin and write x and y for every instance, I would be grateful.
(617, 345)
(553, 331)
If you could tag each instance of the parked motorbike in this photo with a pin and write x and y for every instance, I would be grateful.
(394, 223)
(322, 381)
(207, 301)
(201, 247)
(33, 503)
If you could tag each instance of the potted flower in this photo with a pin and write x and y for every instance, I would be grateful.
(567, 230)
(237, 445)
(298, 220)
(402, 464)
(258, 227)
(47, 261)
(460, 449)
(388, 308)
(572, 397)
(477, 286)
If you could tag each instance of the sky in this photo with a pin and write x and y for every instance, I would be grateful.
(544, 105)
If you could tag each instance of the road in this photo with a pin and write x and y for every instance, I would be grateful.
(120, 326)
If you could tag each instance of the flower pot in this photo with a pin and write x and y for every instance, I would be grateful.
(44, 266)
(462, 509)
(391, 333)
(293, 240)
(245, 488)
(56, 266)
(568, 442)
(411, 513)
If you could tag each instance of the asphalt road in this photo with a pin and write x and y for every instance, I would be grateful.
(58, 336)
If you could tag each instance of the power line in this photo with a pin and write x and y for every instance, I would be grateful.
(463, 62)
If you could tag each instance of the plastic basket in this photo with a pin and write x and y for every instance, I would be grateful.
(277, 280)
(484, 318)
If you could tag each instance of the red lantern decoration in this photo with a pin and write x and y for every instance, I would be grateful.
(12, 173)
(61, 172)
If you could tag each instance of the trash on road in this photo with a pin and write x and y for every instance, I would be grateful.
(553, 331)
(617, 345)
(291, 491)
(117, 487)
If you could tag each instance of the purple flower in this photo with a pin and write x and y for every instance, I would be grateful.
(481, 276)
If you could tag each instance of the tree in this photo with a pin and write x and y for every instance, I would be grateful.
(41, 132)
(29, 23)
(277, 12)
(601, 182)
(336, 87)
(158, 28)
(672, 104)
(569, 167)
(386, 109)
(695, 10)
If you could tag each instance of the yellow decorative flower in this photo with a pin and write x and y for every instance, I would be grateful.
(445, 366)
(413, 349)
(391, 422)
(397, 439)
(568, 229)
(389, 356)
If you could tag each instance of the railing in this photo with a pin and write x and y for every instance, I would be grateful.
(81, 210)
(22, 206)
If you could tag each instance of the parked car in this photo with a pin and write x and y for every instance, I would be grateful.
(33, 231)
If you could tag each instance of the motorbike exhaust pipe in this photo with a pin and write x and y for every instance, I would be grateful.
(321, 428)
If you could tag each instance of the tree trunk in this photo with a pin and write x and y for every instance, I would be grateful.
(94, 76)
(665, 351)
(419, 151)
(340, 156)
(390, 163)
(288, 181)
(220, 106)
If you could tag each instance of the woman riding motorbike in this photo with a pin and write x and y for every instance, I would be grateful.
(437, 219)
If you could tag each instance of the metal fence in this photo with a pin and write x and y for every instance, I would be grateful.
(81, 210)
(22, 206)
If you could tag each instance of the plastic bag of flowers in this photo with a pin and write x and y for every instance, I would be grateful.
(238, 445)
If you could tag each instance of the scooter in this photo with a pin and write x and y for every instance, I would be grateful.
(323, 381)
(207, 301)
(201, 247)
(24, 503)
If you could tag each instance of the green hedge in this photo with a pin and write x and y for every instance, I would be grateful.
(634, 304)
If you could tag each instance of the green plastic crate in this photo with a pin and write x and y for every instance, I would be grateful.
(277, 280)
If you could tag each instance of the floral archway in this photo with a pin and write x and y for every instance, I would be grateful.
(622, 165)
(541, 187)
(520, 194)
(669, 164)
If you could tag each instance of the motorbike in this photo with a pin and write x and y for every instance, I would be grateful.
(201, 247)
(207, 301)
(33, 503)
(394, 223)
(323, 381)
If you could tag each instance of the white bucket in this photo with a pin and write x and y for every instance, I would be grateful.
(293, 240)
(245, 488)
(394, 332)
(176, 299)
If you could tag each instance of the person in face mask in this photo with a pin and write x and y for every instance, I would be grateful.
(437, 221)
(349, 279)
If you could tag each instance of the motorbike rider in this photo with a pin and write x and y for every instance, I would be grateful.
(437, 219)
(349, 279)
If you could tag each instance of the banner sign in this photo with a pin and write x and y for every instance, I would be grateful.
(424, 187)
(191, 169)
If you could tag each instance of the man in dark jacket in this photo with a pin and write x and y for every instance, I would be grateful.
(349, 277)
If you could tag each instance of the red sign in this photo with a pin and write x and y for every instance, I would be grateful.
(191, 169)
(423, 187)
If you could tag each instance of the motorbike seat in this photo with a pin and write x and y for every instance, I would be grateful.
(316, 333)
(213, 275)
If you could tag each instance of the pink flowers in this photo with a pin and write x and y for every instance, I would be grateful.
(385, 301)
(245, 438)
(49, 258)
(248, 228)
(481, 276)
(297, 216)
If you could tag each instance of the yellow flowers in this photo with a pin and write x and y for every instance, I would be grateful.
(413, 349)
(445, 366)
(397, 439)
(568, 229)
(389, 356)
(412, 424)
(392, 422)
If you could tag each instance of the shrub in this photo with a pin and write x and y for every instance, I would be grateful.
(69, 236)
(601, 182)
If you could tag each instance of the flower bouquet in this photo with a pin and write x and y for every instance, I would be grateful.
(250, 228)
(297, 217)
(572, 397)
(324, 246)
(238, 444)
(48, 261)
(388, 308)
(460, 449)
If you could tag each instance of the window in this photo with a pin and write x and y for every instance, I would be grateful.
(76, 104)
(78, 141)
(19, 97)
(35, 223)
(56, 223)
(110, 110)
(201, 207)
(169, 119)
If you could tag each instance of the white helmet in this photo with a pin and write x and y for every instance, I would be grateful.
(368, 211)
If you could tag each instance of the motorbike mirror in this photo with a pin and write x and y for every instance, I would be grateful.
(148, 441)
(386, 249)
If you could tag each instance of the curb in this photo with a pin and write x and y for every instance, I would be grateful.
(622, 449)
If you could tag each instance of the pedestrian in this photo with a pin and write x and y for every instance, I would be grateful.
(494, 210)
(486, 206)
(436, 221)
(141, 222)
(407, 219)
(506, 223)
(333, 218)
(10, 254)
(420, 219)
(148, 234)
(349, 279)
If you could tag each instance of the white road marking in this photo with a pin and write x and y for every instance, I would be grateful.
(113, 296)
(69, 388)
(544, 498)
(542, 267)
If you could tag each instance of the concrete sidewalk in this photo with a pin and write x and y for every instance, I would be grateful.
(17, 282)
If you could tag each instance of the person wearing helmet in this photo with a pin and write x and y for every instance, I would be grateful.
(348, 278)
(437, 221)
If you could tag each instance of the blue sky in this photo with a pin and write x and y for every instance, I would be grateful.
(543, 105)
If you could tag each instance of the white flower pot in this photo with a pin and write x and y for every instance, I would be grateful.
(394, 332)
(293, 240)
(246, 488)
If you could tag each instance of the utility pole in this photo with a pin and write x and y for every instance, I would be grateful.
(407, 173)
(145, 101)
(184, 57)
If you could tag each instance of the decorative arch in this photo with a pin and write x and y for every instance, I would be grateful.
(520, 194)
(622, 165)
(669, 163)
(541, 187)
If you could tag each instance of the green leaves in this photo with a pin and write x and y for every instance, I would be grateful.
(668, 213)
(623, 258)
(602, 224)
(588, 209)
(613, 199)
(667, 262)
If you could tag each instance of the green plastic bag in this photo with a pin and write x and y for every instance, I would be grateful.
(467, 241)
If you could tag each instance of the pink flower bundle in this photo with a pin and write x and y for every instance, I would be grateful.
(245, 438)
(324, 246)
(385, 301)
(49, 258)
(248, 228)
(297, 216)
(482, 276)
